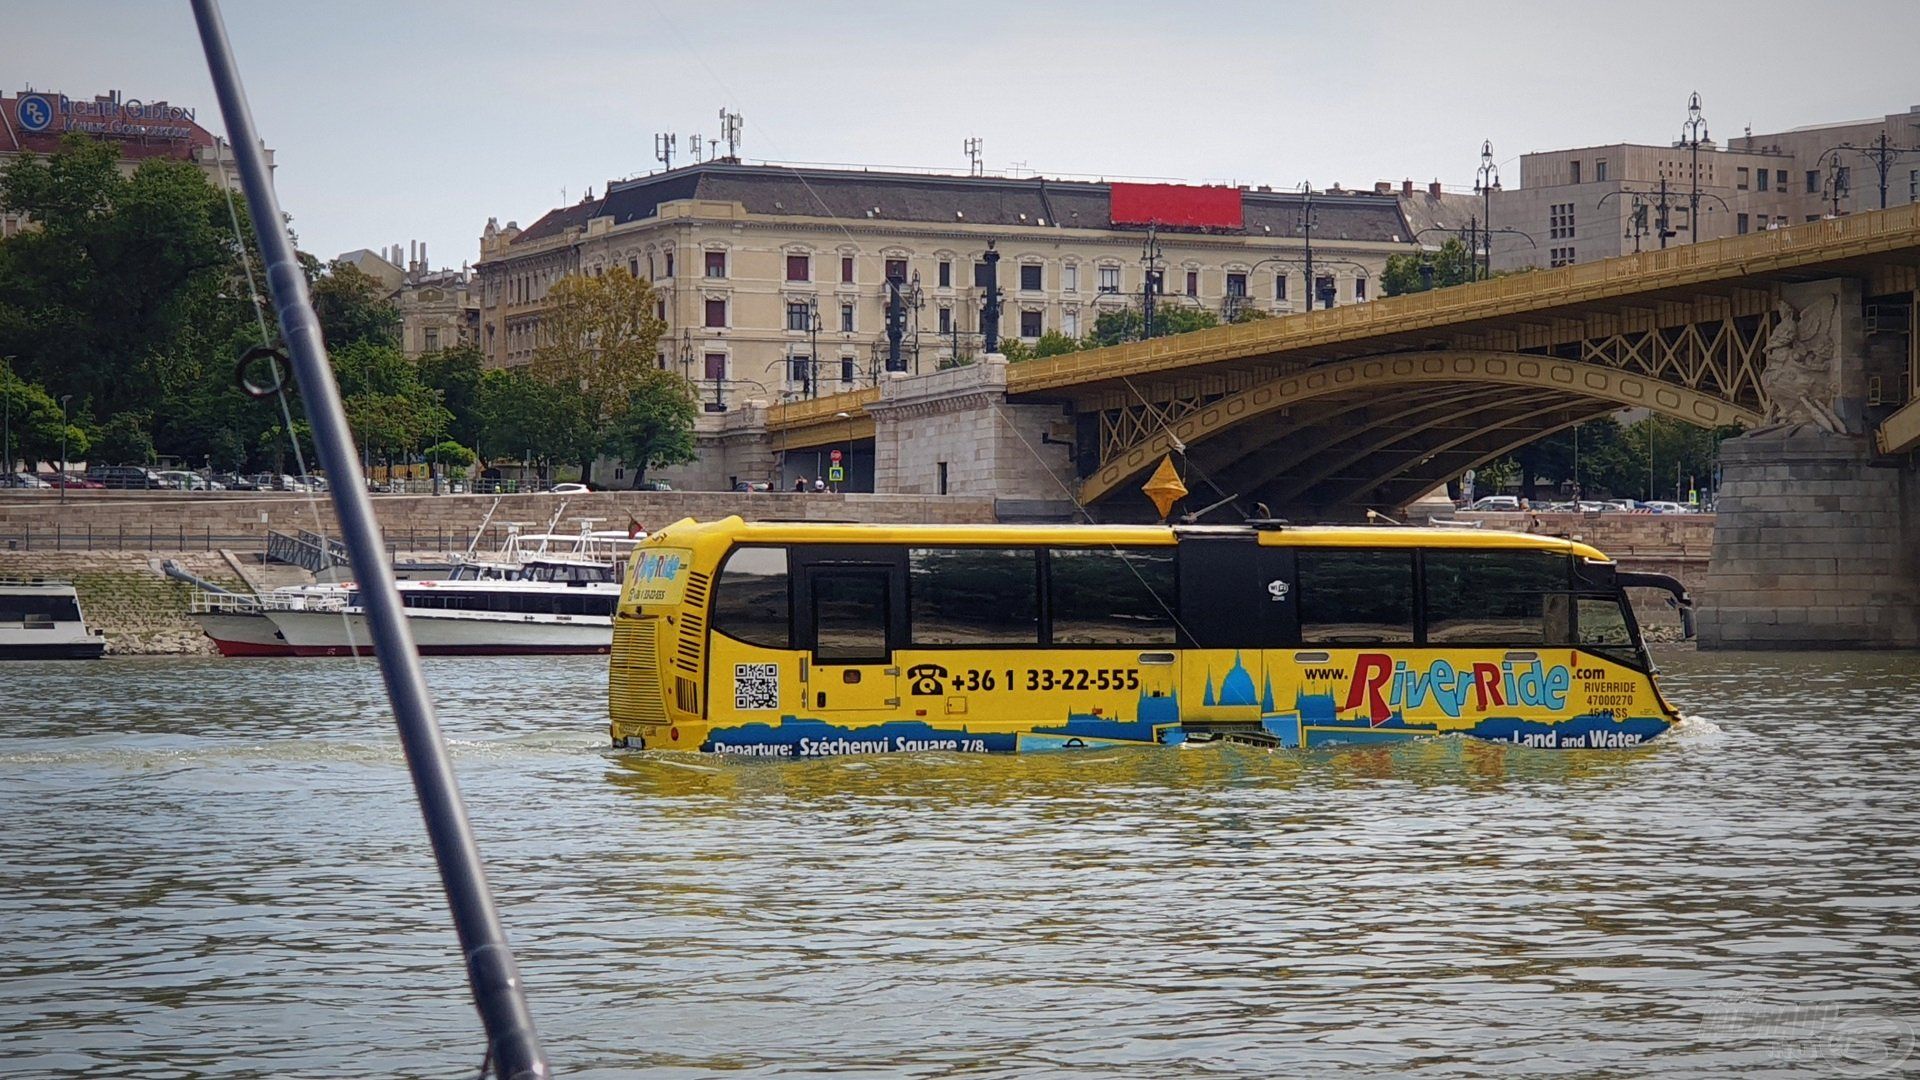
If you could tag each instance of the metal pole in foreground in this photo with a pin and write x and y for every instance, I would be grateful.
(512, 1043)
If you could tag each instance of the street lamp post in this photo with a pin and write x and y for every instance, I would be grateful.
(848, 417)
(1487, 181)
(1309, 221)
(1692, 134)
(6, 431)
(1150, 258)
(1881, 152)
(64, 398)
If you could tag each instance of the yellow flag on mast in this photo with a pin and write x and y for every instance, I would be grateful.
(1164, 487)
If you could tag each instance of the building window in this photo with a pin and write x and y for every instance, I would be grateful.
(1030, 277)
(980, 275)
(1193, 283)
(946, 273)
(896, 269)
(1760, 179)
(1573, 172)
(660, 310)
(1740, 224)
(846, 318)
(946, 320)
(799, 268)
(1110, 279)
(1560, 256)
(669, 264)
(1780, 179)
(1560, 221)
(1600, 171)
(846, 370)
(1323, 289)
(1070, 278)
(1913, 185)
(1029, 324)
(846, 269)
(1813, 181)
(796, 315)
(433, 338)
(1279, 286)
(1070, 324)
(716, 366)
(716, 313)
(799, 368)
(1236, 284)
(633, 266)
(716, 264)
(1359, 289)
(1740, 178)
(941, 468)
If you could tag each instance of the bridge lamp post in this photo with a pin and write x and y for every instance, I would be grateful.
(64, 398)
(1692, 134)
(1309, 221)
(1486, 181)
(1150, 258)
(848, 417)
(1881, 152)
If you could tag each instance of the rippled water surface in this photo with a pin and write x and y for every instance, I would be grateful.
(217, 868)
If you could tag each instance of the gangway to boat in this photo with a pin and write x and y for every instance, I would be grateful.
(309, 551)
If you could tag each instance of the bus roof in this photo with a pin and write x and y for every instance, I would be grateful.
(1370, 536)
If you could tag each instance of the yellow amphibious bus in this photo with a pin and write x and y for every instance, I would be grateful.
(810, 640)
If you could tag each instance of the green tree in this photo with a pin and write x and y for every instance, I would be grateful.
(354, 306)
(600, 338)
(455, 373)
(33, 426)
(1125, 324)
(657, 427)
(124, 439)
(1451, 265)
(521, 415)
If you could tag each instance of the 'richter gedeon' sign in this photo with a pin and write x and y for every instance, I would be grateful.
(109, 115)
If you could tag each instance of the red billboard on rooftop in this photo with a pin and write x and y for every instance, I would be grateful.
(1176, 206)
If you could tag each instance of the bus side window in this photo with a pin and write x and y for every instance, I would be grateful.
(1603, 628)
(1109, 596)
(751, 602)
(974, 596)
(1492, 597)
(1351, 596)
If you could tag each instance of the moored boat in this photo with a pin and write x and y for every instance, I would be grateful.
(41, 620)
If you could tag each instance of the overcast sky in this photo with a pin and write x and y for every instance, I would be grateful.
(400, 120)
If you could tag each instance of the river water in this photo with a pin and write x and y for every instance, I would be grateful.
(215, 868)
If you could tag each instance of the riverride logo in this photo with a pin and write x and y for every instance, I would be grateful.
(1385, 686)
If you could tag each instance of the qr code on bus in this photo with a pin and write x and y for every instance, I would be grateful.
(756, 686)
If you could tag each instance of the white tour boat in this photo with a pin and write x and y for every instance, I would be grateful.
(41, 620)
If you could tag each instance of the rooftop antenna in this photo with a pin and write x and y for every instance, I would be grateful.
(693, 146)
(730, 131)
(663, 144)
(972, 146)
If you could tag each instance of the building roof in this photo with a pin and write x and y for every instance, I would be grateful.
(177, 138)
(1035, 202)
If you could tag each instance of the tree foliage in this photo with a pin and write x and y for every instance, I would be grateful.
(600, 337)
(353, 307)
(1419, 271)
(33, 427)
(657, 427)
(1612, 460)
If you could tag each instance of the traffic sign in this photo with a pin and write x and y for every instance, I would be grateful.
(836, 473)
(835, 457)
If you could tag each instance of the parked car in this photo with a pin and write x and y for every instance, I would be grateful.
(70, 480)
(654, 485)
(1661, 506)
(309, 482)
(1496, 502)
(230, 482)
(569, 489)
(124, 477)
(182, 480)
(23, 480)
(753, 485)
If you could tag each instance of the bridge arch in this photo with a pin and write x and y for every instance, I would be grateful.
(1585, 387)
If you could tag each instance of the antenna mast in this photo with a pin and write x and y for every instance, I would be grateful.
(663, 148)
(730, 134)
(513, 1047)
(972, 147)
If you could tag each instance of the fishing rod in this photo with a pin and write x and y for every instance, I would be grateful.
(513, 1047)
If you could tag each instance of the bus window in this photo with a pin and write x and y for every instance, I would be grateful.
(849, 615)
(1491, 597)
(1105, 596)
(974, 596)
(1603, 628)
(1355, 597)
(751, 602)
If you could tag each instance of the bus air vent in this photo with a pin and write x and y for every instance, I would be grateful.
(634, 676)
(693, 623)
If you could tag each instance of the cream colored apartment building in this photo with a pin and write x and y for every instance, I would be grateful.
(774, 281)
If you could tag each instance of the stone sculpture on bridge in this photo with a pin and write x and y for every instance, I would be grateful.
(1802, 378)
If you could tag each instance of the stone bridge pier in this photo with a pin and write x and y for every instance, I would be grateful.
(1817, 544)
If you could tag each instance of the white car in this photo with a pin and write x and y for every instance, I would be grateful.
(569, 489)
(1497, 502)
(1659, 506)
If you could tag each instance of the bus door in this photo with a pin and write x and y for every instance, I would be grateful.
(852, 614)
(1239, 621)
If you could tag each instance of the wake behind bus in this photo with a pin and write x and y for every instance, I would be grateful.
(813, 640)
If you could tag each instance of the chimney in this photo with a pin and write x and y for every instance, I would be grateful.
(1382, 187)
(1433, 189)
(1406, 187)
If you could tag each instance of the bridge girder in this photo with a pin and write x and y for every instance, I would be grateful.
(1607, 387)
